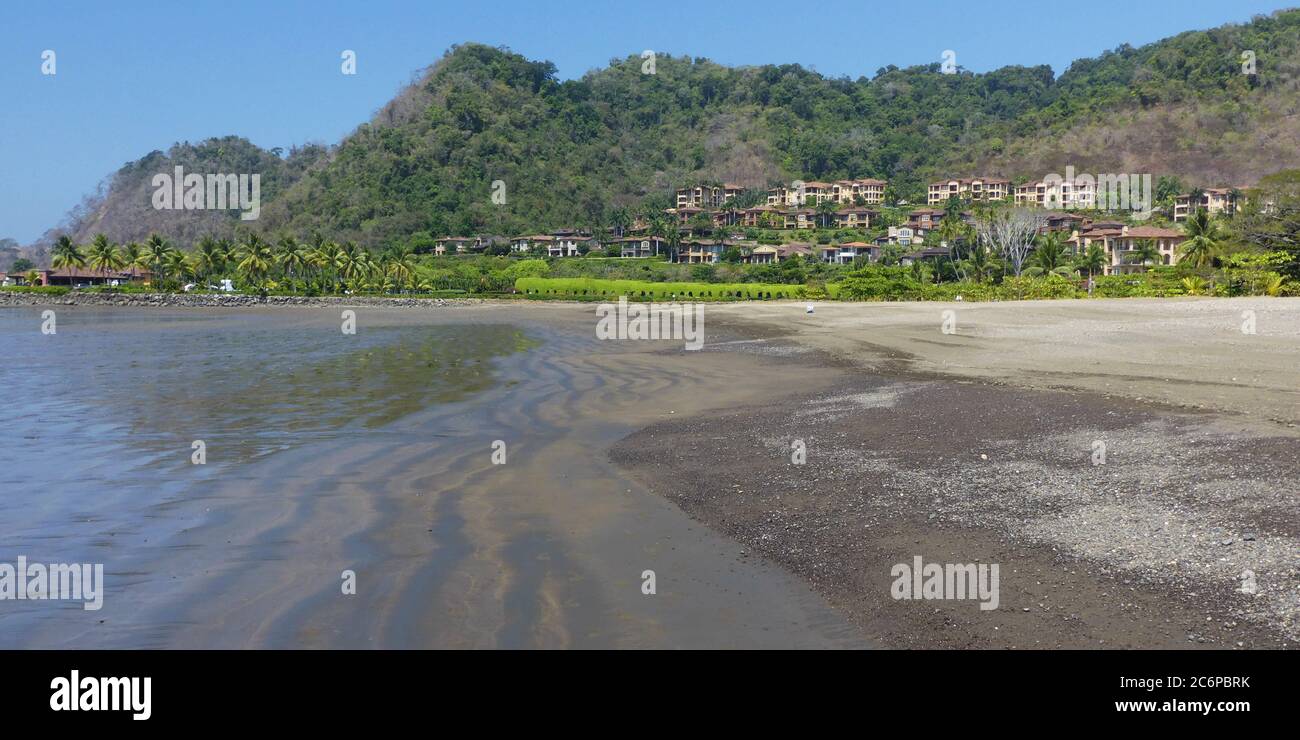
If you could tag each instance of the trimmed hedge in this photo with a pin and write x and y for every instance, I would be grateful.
(638, 290)
(42, 289)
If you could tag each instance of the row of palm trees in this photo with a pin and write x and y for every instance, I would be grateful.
(319, 265)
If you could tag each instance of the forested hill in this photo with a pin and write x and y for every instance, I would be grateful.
(574, 153)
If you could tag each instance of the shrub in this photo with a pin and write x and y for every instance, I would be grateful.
(644, 290)
(39, 289)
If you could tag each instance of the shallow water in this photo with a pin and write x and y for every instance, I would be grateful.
(370, 453)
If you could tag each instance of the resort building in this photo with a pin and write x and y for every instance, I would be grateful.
(566, 245)
(699, 252)
(1057, 194)
(640, 246)
(80, 276)
(853, 218)
(1213, 200)
(904, 236)
(1058, 221)
(813, 192)
(766, 254)
(454, 244)
(708, 196)
(844, 254)
(684, 214)
(761, 216)
(972, 188)
(928, 254)
(1121, 243)
(924, 220)
(871, 192)
(799, 218)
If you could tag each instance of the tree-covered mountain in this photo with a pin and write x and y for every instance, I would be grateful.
(617, 140)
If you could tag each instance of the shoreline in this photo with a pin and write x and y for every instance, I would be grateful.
(218, 300)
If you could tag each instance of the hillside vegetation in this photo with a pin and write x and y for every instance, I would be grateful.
(591, 151)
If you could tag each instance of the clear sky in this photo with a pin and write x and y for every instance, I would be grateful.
(134, 76)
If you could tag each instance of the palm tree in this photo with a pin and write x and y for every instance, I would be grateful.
(978, 264)
(401, 269)
(293, 257)
(156, 250)
(209, 259)
(1204, 239)
(255, 258)
(825, 211)
(326, 258)
(103, 255)
(178, 265)
(1050, 255)
(66, 255)
(620, 220)
(1146, 253)
(229, 254)
(1093, 260)
(351, 261)
(133, 257)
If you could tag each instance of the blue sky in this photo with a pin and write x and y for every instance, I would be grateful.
(134, 76)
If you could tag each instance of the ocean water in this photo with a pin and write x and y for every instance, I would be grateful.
(452, 462)
(100, 418)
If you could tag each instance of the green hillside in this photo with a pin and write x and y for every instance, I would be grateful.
(590, 152)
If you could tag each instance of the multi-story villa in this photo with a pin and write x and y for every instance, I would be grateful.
(1122, 242)
(853, 218)
(872, 192)
(904, 236)
(640, 246)
(564, 243)
(843, 254)
(766, 254)
(1213, 200)
(700, 252)
(973, 188)
(1057, 194)
(684, 214)
(708, 196)
(800, 218)
(757, 217)
(814, 192)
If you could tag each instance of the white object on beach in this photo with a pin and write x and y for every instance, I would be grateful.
(809, 309)
(958, 298)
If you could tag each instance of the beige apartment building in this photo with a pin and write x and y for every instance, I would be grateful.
(1057, 194)
(708, 196)
(871, 191)
(813, 192)
(972, 188)
(1121, 243)
(1213, 200)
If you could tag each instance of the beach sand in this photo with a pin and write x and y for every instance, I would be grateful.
(978, 447)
